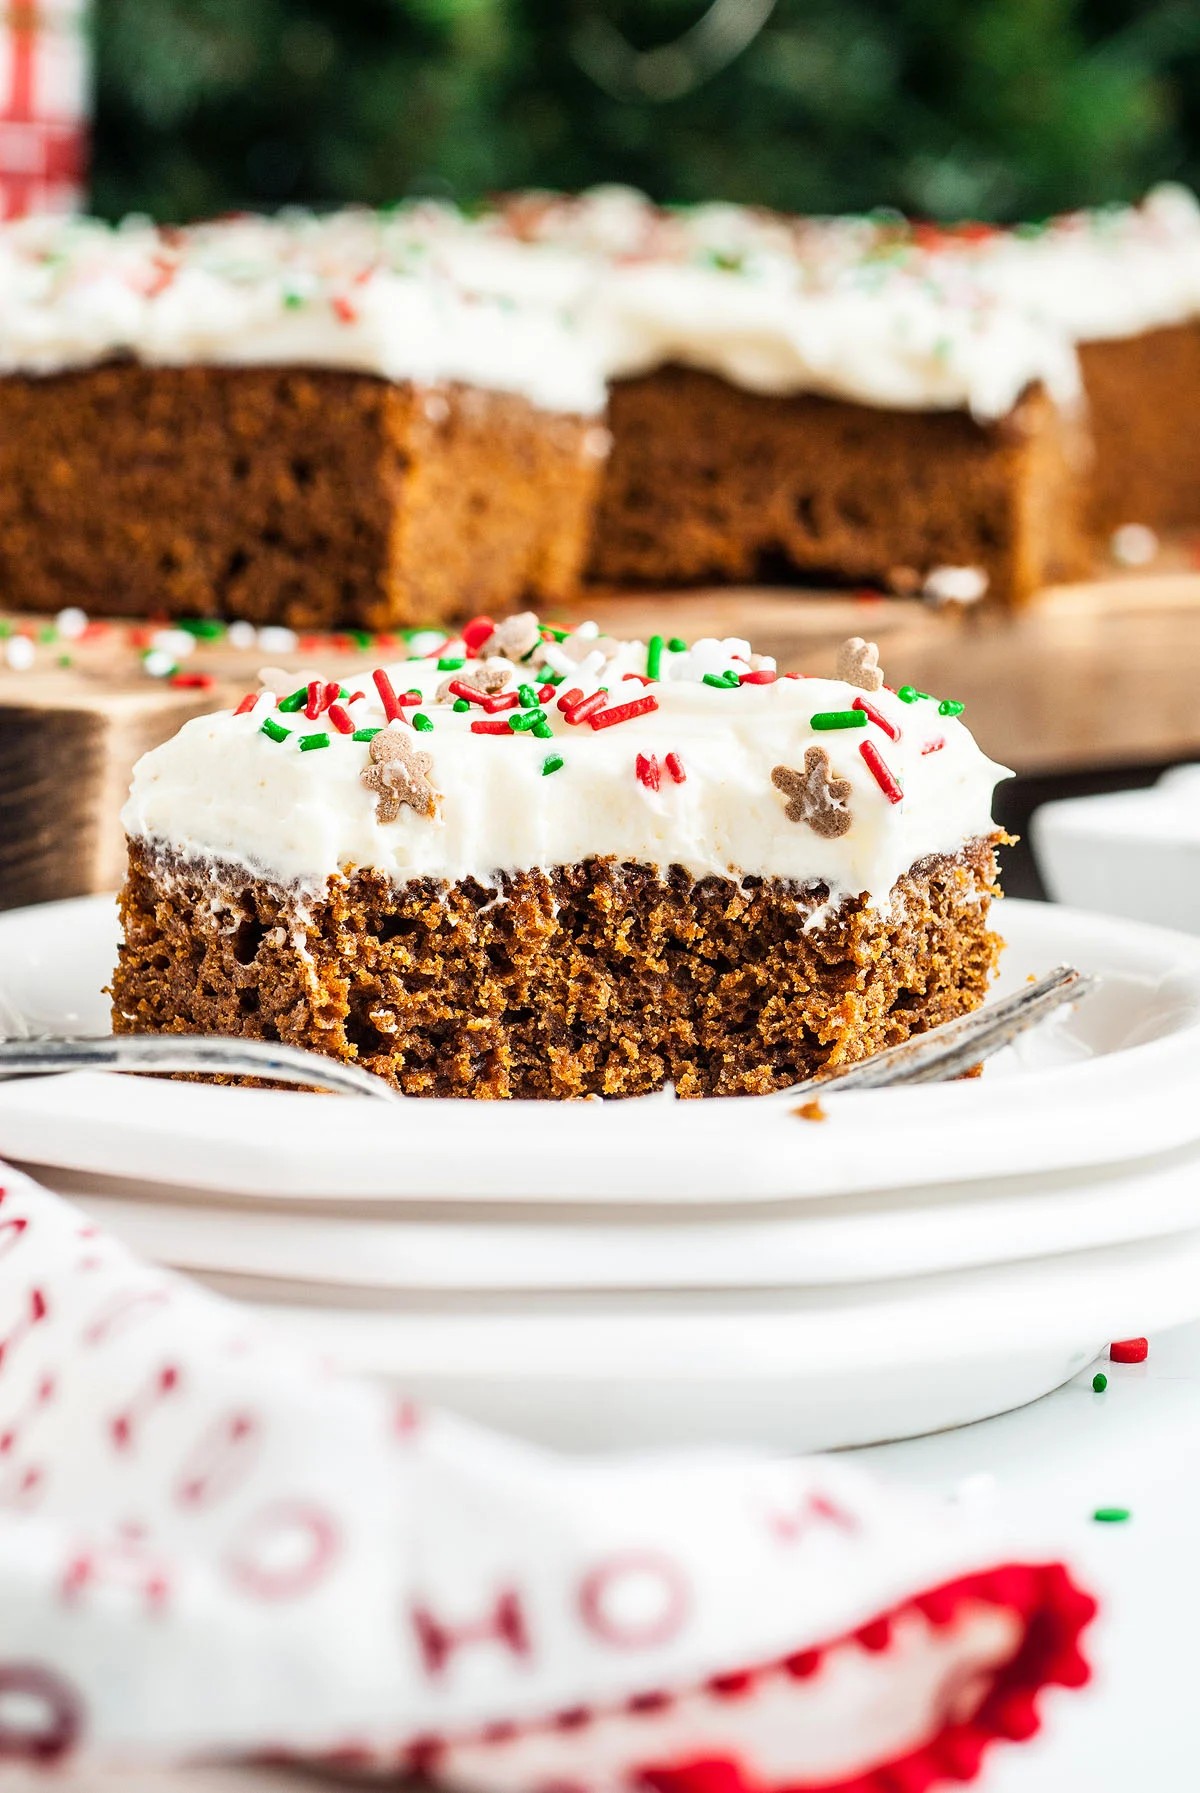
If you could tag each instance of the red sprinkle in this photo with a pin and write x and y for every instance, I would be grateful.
(247, 703)
(341, 719)
(764, 676)
(477, 632)
(192, 681)
(880, 771)
(490, 728)
(877, 717)
(387, 695)
(545, 693)
(586, 706)
(330, 693)
(567, 698)
(641, 706)
(639, 676)
(1129, 1351)
(313, 644)
(934, 746)
(313, 703)
(647, 770)
(674, 766)
(355, 697)
(343, 310)
(470, 692)
(502, 700)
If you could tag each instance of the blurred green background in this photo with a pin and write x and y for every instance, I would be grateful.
(949, 108)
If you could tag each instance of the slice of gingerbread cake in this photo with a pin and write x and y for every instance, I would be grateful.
(551, 864)
(294, 421)
(819, 400)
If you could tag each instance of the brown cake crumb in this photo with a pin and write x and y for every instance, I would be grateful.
(601, 978)
(811, 1111)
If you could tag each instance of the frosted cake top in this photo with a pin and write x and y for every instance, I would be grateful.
(516, 745)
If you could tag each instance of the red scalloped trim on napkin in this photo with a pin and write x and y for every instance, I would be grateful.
(1055, 1613)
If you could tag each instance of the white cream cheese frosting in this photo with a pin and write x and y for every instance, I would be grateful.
(553, 303)
(695, 781)
(356, 290)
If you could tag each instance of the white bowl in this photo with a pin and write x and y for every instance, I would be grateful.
(1130, 853)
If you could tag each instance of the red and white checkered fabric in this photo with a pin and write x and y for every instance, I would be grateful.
(45, 106)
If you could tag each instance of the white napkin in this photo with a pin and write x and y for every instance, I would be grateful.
(212, 1547)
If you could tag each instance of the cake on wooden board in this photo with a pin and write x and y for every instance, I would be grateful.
(371, 419)
(552, 864)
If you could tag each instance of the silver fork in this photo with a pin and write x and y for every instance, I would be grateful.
(171, 1052)
(944, 1052)
(954, 1047)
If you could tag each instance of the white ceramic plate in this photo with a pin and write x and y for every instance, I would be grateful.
(805, 1370)
(1114, 1078)
(453, 1249)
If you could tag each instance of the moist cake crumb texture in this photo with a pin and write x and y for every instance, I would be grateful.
(597, 868)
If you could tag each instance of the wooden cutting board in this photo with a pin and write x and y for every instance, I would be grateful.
(1103, 674)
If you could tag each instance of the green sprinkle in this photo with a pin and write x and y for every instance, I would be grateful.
(421, 723)
(309, 742)
(47, 635)
(543, 731)
(272, 728)
(1099, 1382)
(295, 701)
(908, 694)
(527, 695)
(452, 664)
(555, 634)
(293, 300)
(838, 719)
(549, 677)
(1111, 1515)
(461, 704)
(204, 628)
(362, 638)
(364, 734)
(6, 629)
(529, 720)
(722, 681)
(65, 660)
(677, 645)
(553, 762)
(948, 707)
(654, 654)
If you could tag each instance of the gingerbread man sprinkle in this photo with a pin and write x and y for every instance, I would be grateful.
(515, 637)
(398, 774)
(858, 664)
(489, 681)
(814, 796)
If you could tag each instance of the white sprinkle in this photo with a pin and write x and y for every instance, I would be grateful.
(587, 631)
(20, 653)
(556, 660)
(1133, 545)
(592, 666)
(71, 622)
(158, 664)
(955, 585)
(596, 444)
(241, 635)
(176, 642)
(274, 640)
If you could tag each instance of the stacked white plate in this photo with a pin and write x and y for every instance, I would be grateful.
(653, 1271)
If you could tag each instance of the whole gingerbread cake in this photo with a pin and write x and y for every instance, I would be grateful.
(550, 864)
